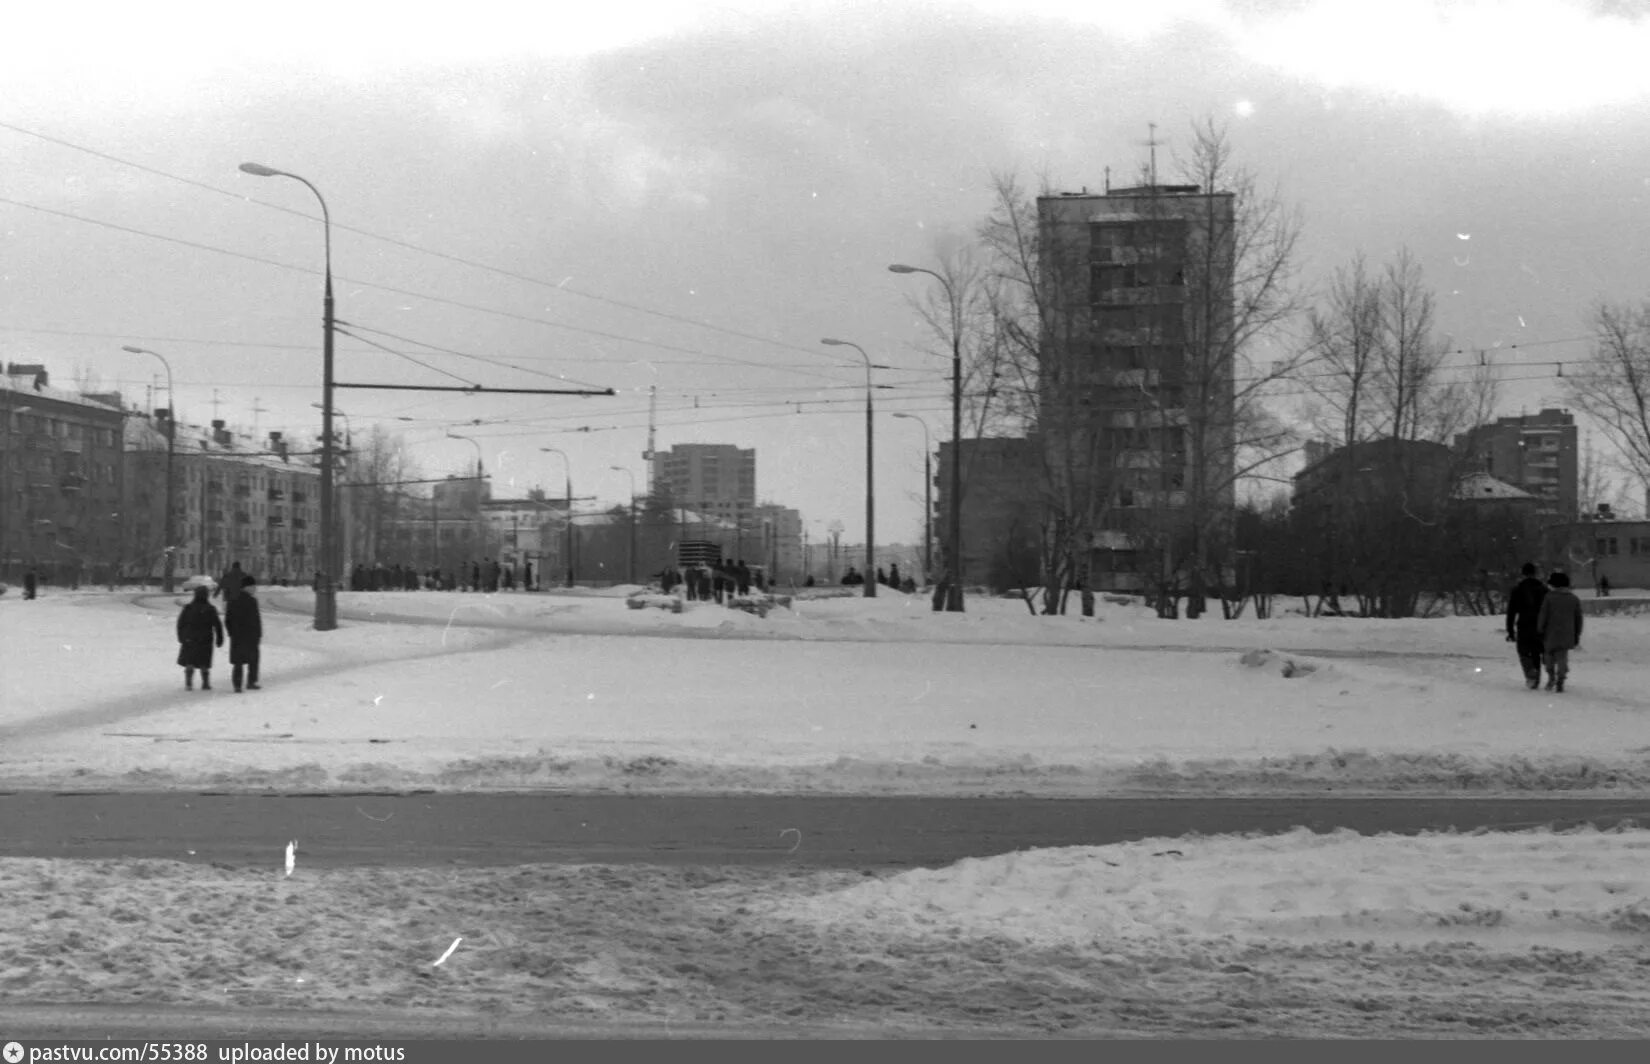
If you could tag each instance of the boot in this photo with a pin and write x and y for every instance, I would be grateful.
(1552, 681)
(188, 679)
(1558, 685)
(206, 680)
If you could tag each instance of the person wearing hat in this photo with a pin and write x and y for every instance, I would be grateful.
(246, 630)
(198, 630)
(1559, 622)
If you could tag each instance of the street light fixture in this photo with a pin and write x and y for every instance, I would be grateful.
(953, 549)
(632, 476)
(568, 464)
(326, 587)
(927, 498)
(870, 494)
(169, 565)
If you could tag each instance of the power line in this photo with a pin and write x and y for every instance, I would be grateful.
(724, 359)
(558, 287)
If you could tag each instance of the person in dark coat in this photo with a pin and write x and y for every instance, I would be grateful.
(199, 629)
(230, 585)
(30, 583)
(1523, 607)
(245, 627)
(1559, 622)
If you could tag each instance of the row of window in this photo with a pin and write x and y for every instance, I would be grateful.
(60, 429)
(1606, 545)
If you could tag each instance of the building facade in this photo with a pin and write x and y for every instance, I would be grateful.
(61, 480)
(718, 479)
(1137, 369)
(1535, 452)
(1002, 511)
(242, 502)
(1618, 551)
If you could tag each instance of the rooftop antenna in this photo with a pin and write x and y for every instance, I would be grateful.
(1108, 180)
(1151, 143)
(256, 410)
(652, 411)
(216, 402)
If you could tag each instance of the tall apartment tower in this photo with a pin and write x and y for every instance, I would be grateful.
(1536, 452)
(1137, 368)
(717, 479)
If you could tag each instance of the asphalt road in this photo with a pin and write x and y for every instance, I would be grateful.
(814, 831)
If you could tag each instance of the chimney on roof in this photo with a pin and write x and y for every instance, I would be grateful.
(220, 435)
(277, 444)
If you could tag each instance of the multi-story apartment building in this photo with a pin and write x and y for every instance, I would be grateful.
(237, 501)
(1536, 452)
(60, 480)
(717, 479)
(1136, 379)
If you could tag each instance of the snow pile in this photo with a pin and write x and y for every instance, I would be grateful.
(1581, 889)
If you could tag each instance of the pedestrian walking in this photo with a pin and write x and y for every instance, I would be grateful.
(199, 630)
(230, 585)
(1523, 610)
(1603, 588)
(245, 628)
(31, 582)
(1559, 622)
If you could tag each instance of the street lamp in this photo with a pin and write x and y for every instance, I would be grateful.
(168, 572)
(953, 549)
(632, 476)
(927, 499)
(326, 588)
(870, 496)
(567, 463)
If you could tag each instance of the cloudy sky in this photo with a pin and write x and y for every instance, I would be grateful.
(691, 195)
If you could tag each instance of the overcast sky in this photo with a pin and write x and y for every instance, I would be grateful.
(692, 195)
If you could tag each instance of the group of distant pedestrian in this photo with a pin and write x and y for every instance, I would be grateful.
(890, 579)
(486, 574)
(717, 581)
(1544, 621)
(201, 630)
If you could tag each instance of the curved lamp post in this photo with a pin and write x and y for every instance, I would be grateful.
(953, 547)
(567, 464)
(927, 499)
(870, 494)
(169, 570)
(326, 585)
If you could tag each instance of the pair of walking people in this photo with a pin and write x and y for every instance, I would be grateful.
(200, 630)
(1544, 620)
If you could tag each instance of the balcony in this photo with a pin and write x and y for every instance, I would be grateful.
(299, 523)
(276, 494)
(277, 521)
(243, 491)
(243, 518)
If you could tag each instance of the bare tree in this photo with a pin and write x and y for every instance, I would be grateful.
(1613, 385)
(1240, 290)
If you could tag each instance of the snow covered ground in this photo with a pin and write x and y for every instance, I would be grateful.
(1523, 934)
(844, 695)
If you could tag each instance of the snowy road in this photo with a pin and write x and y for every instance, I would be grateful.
(771, 831)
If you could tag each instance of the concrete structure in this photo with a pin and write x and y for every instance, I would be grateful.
(61, 480)
(713, 478)
(239, 501)
(1535, 452)
(1588, 550)
(1137, 374)
(1002, 509)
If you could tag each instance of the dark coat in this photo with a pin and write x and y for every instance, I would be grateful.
(1524, 606)
(1560, 620)
(245, 627)
(230, 585)
(198, 630)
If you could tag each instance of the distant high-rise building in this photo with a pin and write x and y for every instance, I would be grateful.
(1136, 377)
(1536, 452)
(716, 479)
